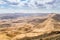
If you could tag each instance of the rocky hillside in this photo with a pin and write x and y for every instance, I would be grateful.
(31, 29)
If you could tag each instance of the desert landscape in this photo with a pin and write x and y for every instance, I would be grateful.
(30, 26)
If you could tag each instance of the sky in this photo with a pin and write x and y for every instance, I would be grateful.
(29, 6)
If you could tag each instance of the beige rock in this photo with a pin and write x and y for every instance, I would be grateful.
(4, 37)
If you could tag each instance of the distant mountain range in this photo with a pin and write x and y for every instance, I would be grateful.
(15, 15)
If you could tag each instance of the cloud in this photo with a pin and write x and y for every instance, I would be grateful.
(22, 11)
(43, 1)
(2, 2)
(30, 4)
(12, 1)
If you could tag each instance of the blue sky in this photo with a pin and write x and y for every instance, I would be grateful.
(29, 6)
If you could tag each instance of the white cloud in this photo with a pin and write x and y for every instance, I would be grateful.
(1, 2)
(43, 1)
(30, 4)
(12, 1)
(23, 11)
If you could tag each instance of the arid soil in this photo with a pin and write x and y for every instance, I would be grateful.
(31, 28)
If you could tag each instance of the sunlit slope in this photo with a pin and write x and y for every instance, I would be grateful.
(31, 28)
